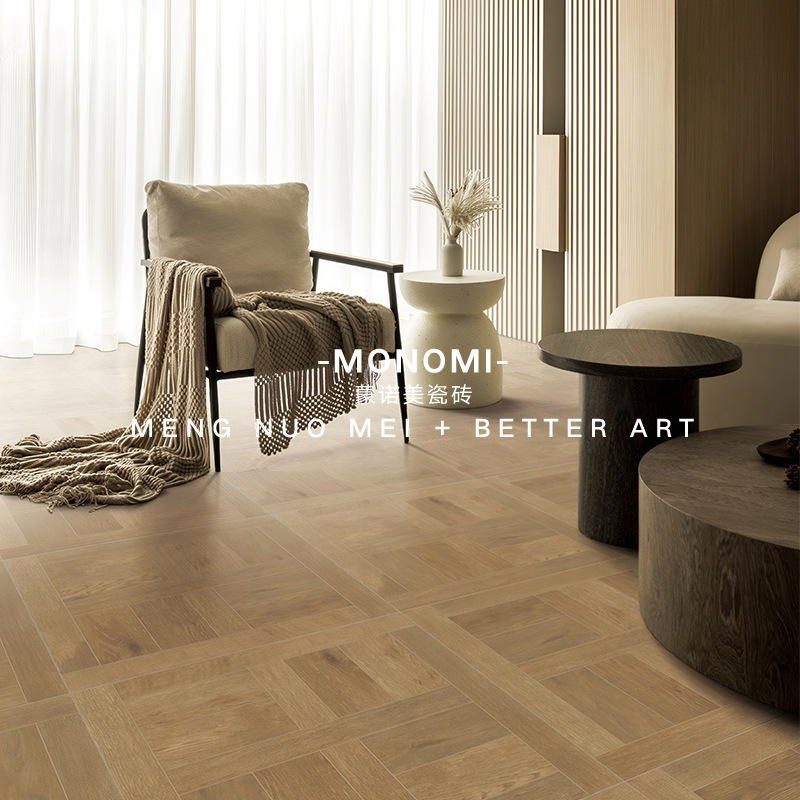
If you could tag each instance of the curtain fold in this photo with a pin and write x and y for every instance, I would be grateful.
(97, 97)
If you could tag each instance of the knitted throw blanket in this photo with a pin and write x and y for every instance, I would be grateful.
(132, 465)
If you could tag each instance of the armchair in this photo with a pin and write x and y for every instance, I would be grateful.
(258, 237)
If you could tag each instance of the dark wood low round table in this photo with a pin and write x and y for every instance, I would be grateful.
(719, 561)
(629, 375)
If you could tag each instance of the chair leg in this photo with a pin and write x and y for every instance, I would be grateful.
(401, 385)
(213, 399)
(139, 371)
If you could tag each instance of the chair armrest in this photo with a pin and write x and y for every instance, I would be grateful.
(353, 261)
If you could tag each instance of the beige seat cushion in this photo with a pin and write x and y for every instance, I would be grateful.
(236, 347)
(257, 235)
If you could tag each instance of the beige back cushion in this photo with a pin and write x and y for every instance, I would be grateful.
(786, 235)
(257, 235)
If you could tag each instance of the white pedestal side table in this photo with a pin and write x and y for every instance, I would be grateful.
(453, 319)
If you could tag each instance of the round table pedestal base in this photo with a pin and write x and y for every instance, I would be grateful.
(608, 505)
(447, 333)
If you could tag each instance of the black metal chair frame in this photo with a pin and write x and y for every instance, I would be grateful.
(214, 374)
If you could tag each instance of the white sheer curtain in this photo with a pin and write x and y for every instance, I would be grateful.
(99, 96)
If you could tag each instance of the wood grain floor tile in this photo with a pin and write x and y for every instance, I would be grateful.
(775, 778)
(173, 621)
(525, 644)
(657, 785)
(393, 667)
(25, 768)
(584, 732)
(37, 711)
(244, 788)
(616, 711)
(658, 691)
(192, 721)
(11, 535)
(252, 542)
(455, 564)
(261, 755)
(115, 634)
(505, 617)
(214, 610)
(293, 695)
(78, 764)
(10, 692)
(259, 610)
(586, 654)
(272, 562)
(627, 582)
(338, 579)
(131, 762)
(551, 787)
(719, 761)
(680, 740)
(574, 762)
(248, 648)
(433, 737)
(545, 549)
(527, 581)
(593, 605)
(480, 773)
(365, 773)
(339, 682)
(659, 658)
(36, 673)
(619, 792)
(309, 776)
(407, 570)
(63, 638)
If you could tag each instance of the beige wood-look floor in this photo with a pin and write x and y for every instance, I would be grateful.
(350, 619)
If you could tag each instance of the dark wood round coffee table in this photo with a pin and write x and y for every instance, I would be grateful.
(719, 561)
(629, 375)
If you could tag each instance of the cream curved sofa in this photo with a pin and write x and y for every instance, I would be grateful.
(767, 388)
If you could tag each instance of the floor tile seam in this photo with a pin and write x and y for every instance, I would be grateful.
(143, 738)
(571, 669)
(625, 691)
(53, 763)
(516, 699)
(334, 565)
(465, 700)
(536, 511)
(712, 683)
(663, 767)
(503, 586)
(65, 713)
(391, 600)
(510, 698)
(588, 626)
(387, 770)
(134, 536)
(4, 651)
(198, 661)
(66, 610)
(668, 724)
(692, 753)
(38, 633)
(376, 496)
(510, 474)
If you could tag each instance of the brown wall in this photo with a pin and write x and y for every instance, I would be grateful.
(709, 165)
(737, 138)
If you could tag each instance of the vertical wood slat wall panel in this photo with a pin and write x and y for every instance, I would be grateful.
(489, 121)
(591, 261)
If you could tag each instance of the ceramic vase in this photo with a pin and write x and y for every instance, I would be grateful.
(452, 258)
